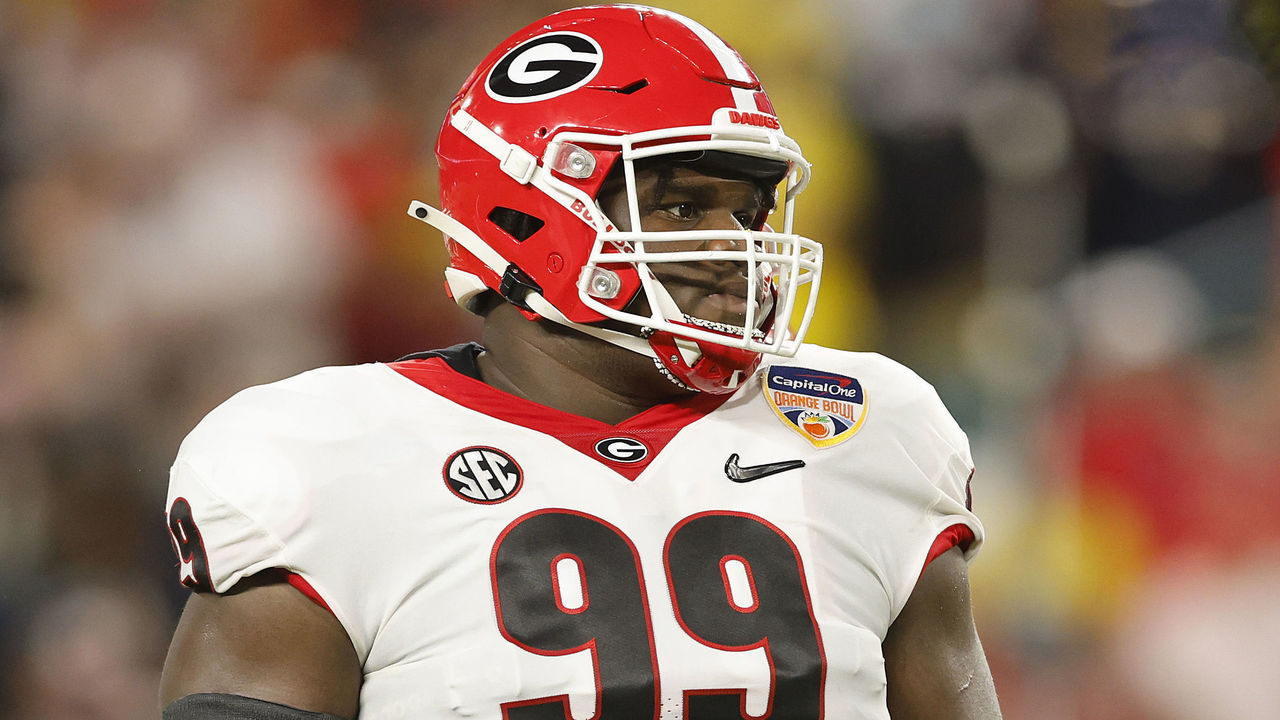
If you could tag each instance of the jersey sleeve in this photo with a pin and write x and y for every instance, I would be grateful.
(917, 452)
(264, 481)
(952, 514)
(281, 476)
(940, 449)
(231, 489)
(217, 543)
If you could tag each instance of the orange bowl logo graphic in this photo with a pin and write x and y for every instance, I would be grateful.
(818, 426)
(825, 408)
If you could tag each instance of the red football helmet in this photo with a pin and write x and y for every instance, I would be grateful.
(530, 139)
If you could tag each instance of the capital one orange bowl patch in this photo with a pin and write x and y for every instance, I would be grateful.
(823, 407)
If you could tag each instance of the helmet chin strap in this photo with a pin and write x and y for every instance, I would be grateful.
(623, 340)
(676, 358)
(468, 239)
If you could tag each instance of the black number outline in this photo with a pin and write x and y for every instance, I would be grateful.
(545, 708)
(188, 546)
(699, 703)
(803, 583)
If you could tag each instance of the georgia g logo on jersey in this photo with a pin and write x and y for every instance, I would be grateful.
(622, 450)
(543, 67)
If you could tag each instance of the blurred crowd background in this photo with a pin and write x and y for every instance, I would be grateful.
(1060, 212)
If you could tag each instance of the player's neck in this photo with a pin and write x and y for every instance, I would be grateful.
(564, 369)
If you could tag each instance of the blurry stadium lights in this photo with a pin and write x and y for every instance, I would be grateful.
(1180, 105)
(1014, 342)
(1128, 4)
(1209, 102)
(1135, 309)
(1260, 20)
(1018, 127)
(912, 61)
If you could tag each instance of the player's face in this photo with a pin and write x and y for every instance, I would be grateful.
(678, 198)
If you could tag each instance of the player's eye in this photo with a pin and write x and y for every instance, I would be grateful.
(682, 210)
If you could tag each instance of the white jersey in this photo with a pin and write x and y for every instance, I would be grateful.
(494, 558)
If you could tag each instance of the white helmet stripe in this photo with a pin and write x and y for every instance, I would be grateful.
(745, 99)
(730, 62)
(733, 67)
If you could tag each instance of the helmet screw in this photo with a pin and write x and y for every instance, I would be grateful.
(555, 263)
(581, 163)
(573, 161)
(605, 284)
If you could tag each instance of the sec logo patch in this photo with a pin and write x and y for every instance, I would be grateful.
(824, 408)
(483, 475)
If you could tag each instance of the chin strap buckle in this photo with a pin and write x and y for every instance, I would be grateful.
(516, 286)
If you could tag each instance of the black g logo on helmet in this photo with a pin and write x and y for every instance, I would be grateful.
(544, 67)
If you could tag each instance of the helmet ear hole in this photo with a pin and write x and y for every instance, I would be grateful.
(519, 225)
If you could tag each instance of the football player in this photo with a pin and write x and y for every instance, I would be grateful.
(640, 495)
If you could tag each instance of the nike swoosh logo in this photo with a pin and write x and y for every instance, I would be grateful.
(747, 473)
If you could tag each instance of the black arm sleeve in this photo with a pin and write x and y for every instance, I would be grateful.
(220, 706)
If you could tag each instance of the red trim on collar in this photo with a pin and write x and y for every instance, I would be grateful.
(654, 427)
